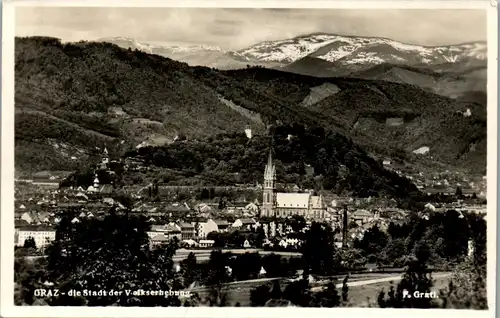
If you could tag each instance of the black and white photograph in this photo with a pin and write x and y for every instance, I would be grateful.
(316, 157)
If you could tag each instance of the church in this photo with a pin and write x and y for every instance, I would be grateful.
(284, 204)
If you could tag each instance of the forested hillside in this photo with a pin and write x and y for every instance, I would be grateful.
(74, 97)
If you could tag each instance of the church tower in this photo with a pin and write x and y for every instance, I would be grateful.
(268, 199)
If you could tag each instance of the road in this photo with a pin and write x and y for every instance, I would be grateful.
(378, 280)
(357, 279)
(204, 255)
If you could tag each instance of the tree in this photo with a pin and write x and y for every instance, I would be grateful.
(416, 278)
(272, 263)
(259, 295)
(373, 242)
(345, 289)
(222, 203)
(125, 199)
(205, 194)
(328, 297)
(298, 292)
(258, 237)
(246, 266)
(29, 243)
(112, 253)
(188, 269)
(217, 279)
(319, 252)
(467, 288)
(352, 258)
(276, 292)
(297, 222)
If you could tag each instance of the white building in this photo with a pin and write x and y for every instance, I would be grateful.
(203, 228)
(206, 243)
(286, 204)
(43, 235)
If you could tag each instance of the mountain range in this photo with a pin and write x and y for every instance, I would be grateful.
(73, 99)
(457, 71)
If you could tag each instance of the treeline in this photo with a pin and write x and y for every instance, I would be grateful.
(467, 287)
(446, 236)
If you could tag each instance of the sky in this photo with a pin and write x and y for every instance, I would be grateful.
(233, 29)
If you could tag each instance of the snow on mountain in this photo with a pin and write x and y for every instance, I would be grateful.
(350, 52)
(152, 48)
(287, 51)
(361, 50)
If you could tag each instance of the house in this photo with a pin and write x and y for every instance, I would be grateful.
(43, 235)
(159, 239)
(222, 225)
(187, 231)
(361, 216)
(246, 224)
(283, 243)
(44, 217)
(262, 271)
(387, 162)
(206, 243)
(168, 231)
(203, 228)
(109, 201)
(252, 207)
(177, 209)
(190, 243)
(236, 207)
(246, 244)
(203, 208)
(82, 196)
(106, 189)
(26, 216)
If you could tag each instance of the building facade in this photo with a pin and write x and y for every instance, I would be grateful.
(284, 204)
(43, 235)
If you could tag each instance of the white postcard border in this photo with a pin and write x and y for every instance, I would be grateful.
(7, 160)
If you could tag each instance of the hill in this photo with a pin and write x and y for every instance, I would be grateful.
(454, 81)
(386, 118)
(95, 94)
(459, 70)
(127, 96)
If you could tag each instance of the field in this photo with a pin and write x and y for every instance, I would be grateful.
(366, 295)
(359, 296)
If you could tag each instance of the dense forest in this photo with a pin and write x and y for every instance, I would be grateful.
(82, 93)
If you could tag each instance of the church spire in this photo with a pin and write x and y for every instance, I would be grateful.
(268, 195)
(270, 158)
(270, 170)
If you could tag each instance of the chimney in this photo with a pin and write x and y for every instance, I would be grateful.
(344, 228)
